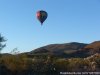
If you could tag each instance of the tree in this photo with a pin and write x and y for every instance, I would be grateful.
(2, 39)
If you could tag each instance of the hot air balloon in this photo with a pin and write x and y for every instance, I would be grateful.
(41, 16)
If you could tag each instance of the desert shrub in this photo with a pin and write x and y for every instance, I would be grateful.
(61, 65)
(15, 63)
(74, 64)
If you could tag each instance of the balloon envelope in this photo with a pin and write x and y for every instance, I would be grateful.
(41, 16)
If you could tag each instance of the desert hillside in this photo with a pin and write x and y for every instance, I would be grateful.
(53, 59)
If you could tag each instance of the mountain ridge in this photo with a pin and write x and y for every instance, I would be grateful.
(72, 49)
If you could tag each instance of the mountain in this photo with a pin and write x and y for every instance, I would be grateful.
(73, 49)
(63, 50)
(88, 50)
(93, 45)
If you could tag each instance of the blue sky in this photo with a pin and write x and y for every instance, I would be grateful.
(68, 21)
